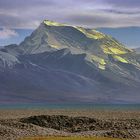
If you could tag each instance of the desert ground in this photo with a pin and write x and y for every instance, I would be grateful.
(70, 138)
(55, 124)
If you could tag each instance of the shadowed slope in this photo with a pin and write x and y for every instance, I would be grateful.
(59, 62)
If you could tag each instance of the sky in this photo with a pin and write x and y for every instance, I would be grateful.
(118, 18)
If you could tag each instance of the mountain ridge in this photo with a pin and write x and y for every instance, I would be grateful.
(66, 63)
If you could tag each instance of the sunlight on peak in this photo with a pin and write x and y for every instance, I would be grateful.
(113, 50)
(52, 23)
(119, 58)
(100, 61)
(91, 33)
(54, 46)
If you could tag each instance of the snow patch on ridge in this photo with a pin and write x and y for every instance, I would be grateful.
(7, 60)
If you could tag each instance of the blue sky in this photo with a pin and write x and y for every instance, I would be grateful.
(115, 17)
(129, 36)
(17, 38)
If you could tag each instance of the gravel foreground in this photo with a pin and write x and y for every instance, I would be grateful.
(16, 124)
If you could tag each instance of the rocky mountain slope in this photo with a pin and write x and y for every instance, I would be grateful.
(64, 63)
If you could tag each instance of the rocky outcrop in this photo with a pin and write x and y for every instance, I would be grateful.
(109, 128)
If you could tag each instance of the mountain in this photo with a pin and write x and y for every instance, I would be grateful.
(137, 50)
(63, 63)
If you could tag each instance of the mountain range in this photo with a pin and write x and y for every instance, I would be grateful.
(63, 63)
(137, 50)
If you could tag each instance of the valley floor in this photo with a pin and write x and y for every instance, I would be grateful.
(23, 123)
(69, 138)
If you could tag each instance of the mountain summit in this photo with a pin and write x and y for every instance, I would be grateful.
(64, 63)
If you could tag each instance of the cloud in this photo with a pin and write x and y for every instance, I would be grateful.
(93, 13)
(6, 33)
(128, 12)
(127, 4)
